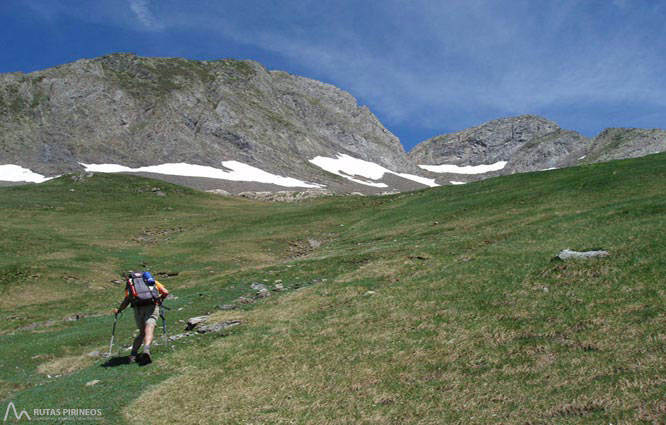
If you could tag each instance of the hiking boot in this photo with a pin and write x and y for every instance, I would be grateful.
(146, 358)
(131, 358)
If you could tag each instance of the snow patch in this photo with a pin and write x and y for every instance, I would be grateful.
(582, 157)
(15, 173)
(467, 169)
(239, 172)
(452, 182)
(347, 167)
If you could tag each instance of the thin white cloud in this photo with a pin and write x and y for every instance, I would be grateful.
(443, 65)
(141, 9)
(469, 56)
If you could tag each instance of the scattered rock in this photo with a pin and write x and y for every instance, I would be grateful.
(37, 325)
(219, 192)
(156, 235)
(568, 254)
(369, 293)
(314, 243)
(82, 176)
(286, 196)
(226, 307)
(95, 353)
(194, 321)
(217, 327)
(258, 286)
(160, 193)
(116, 281)
(245, 300)
(179, 336)
(278, 287)
(263, 293)
(93, 382)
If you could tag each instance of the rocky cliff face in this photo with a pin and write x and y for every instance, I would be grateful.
(137, 111)
(488, 143)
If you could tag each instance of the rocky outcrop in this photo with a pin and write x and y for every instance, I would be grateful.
(287, 195)
(557, 149)
(620, 143)
(488, 143)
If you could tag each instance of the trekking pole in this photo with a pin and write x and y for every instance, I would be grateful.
(113, 333)
(164, 329)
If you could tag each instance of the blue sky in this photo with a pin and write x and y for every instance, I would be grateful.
(423, 67)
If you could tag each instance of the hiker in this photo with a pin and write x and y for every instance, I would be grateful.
(145, 294)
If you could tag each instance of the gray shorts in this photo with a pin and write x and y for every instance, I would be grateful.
(146, 315)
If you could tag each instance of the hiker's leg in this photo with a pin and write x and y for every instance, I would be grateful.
(137, 342)
(149, 331)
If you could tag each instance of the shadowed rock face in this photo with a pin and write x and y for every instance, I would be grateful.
(138, 111)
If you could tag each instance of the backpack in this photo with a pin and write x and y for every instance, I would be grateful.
(140, 291)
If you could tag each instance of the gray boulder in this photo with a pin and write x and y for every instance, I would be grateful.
(567, 254)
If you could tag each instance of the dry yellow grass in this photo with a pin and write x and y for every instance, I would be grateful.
(9, 388)
(382, 269)
(65, 365)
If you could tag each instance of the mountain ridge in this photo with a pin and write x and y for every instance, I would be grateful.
(531, 143)
(268, 126)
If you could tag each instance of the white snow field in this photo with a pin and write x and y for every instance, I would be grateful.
(467, 169)
(15, 173)
(454, 182)
(239, 172)
(347, 166)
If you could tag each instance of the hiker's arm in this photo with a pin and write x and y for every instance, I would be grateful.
(123, 305)
(162, 290)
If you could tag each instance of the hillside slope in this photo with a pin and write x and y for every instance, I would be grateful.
(439, 306)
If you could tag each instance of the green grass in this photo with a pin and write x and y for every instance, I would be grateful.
(438, 306)
(161, 76)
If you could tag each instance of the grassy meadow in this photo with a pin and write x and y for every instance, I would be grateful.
(443, 306)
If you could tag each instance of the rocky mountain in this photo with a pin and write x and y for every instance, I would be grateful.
(237, 125)
(526, 143)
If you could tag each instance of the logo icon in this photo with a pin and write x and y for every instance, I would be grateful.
(18, 416)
